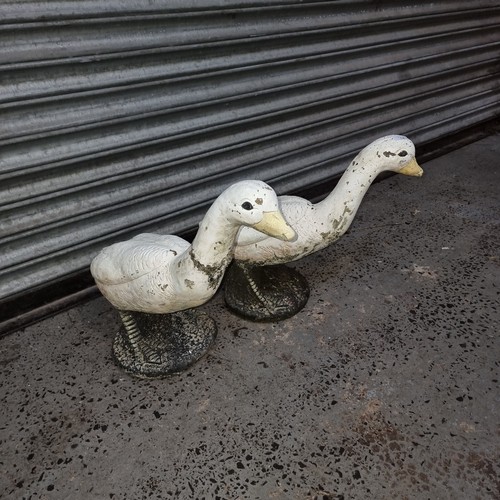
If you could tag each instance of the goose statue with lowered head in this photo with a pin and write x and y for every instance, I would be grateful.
(155, 280)
(257, 285)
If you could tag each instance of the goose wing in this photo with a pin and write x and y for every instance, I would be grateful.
(129, 260)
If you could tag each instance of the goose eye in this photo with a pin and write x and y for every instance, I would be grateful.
(247, 205)
(403, 153)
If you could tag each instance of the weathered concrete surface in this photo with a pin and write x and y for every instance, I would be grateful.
(384, 386)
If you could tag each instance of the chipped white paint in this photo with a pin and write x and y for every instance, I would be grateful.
(319, 225)
(161, 274)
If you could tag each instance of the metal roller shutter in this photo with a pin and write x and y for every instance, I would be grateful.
(123, 116)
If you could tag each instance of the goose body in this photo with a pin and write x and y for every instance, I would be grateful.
(256, 286)
(319, 225)
(156, 273)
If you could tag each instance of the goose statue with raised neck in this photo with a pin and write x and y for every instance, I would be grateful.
(152, 278)
(257, 286)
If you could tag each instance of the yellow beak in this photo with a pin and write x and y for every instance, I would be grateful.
(274, 224)
(413, 169)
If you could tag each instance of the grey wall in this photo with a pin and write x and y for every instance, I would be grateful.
(124, 116)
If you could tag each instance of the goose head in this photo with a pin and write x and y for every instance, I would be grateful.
(255, 204)
(397, 154)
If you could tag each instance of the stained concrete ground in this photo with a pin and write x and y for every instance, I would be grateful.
(384, 386)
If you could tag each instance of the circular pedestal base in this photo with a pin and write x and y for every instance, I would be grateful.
(265, 293)
(169, 343)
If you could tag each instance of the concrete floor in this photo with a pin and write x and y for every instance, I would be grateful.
(384, 386)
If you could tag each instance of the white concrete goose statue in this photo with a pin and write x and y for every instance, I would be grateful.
(160, 275)
(263, 293)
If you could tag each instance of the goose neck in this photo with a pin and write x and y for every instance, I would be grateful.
(214, 242)
(341, 205)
